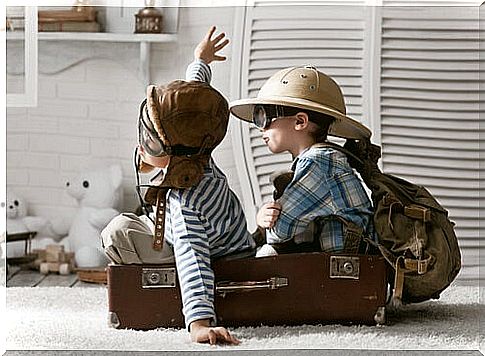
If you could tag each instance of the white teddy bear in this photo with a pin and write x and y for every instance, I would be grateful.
(97, 193)
(19, 222)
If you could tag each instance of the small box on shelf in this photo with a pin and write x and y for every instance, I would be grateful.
(75, 19)
(148, 20)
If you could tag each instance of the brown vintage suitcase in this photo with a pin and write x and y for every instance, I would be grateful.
(291, 289)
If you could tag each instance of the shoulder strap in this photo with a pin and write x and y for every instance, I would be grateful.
(338, 148)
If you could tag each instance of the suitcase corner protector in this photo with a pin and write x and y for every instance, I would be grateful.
(380, 316)
(113, 320)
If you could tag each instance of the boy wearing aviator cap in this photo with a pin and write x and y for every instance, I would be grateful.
(196, 213)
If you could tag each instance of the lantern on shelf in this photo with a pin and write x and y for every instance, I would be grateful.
(148, 19)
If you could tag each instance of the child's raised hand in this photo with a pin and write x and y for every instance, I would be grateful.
(268, 214)
(207, 48)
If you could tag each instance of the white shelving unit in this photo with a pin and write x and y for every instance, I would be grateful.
(145, 41)
(97, 36)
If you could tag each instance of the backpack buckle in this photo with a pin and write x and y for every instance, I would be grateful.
(417, 212)
(422, 266)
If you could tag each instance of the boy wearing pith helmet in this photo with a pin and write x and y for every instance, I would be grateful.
(295, 110)
(196, 213)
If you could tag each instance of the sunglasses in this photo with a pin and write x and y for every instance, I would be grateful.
(263, 115)
(147, 135)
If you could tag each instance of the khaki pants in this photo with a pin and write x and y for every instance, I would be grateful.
(128, 239)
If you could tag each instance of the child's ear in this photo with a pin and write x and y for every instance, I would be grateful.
(301, 121)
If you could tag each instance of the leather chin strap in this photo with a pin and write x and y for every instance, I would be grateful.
(181, 173)
(157, 196)
(159, 234)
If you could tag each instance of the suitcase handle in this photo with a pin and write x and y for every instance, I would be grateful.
(223, 288)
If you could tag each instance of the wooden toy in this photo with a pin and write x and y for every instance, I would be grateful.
(54, 259)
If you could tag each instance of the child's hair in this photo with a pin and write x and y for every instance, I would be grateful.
(322, 121)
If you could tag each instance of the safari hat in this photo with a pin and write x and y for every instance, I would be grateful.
(304, 88)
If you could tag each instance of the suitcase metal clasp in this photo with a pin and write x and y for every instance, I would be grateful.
(158, 278)
(344, 267)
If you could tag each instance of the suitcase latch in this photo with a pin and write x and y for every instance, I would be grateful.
(158, 278)
(344, 267)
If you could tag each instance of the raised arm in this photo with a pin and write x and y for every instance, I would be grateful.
(205, 53)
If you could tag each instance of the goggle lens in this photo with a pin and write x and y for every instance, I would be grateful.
(264, 114)
(260, 118)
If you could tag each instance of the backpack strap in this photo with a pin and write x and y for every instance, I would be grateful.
(353, 234)
(338, 148)
(401, 266)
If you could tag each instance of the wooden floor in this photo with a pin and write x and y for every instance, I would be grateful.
(18, 277)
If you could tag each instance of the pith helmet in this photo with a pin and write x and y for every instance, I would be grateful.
(190, 119)
(305, 88)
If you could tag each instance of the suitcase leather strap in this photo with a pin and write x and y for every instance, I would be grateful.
(160, 219)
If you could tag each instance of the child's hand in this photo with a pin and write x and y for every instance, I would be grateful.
(201, 332)
(207, 48)
(268, 214)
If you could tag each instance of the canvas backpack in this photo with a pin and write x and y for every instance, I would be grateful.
(414, 233)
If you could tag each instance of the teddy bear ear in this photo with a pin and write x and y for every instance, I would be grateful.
(116, 175)
(21, 205)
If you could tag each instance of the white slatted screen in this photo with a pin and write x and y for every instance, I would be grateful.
(430, 111)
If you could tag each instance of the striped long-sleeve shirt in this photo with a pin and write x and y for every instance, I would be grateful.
(203, 223)
(198, 70)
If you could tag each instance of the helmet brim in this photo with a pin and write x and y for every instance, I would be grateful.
(343, 126)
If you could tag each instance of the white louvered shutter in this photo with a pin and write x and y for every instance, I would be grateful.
(330, 38)
(430, 112)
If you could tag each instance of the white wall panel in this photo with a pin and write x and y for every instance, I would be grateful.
(430, 111)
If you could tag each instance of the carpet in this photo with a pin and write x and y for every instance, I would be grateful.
(60, 318)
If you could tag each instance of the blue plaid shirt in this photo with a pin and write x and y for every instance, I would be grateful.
(324, 185)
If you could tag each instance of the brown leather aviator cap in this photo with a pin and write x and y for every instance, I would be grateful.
(190, 119)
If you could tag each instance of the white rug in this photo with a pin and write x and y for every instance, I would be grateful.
(76, 318)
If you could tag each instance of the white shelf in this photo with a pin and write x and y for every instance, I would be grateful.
(144, 40)
(97, 36)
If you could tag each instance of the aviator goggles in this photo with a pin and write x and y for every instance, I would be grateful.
(263, 115)
(147, 135)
